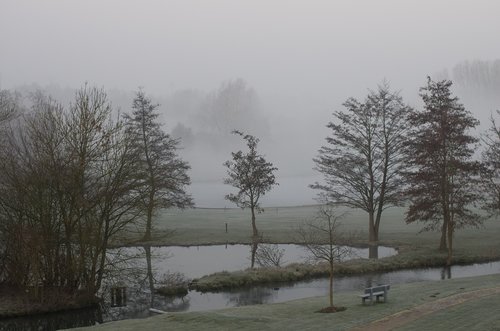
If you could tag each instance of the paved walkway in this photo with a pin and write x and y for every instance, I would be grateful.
(409, 315)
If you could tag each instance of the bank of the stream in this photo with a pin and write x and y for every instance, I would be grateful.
(19, 304)
(301, 314)
(408, 258)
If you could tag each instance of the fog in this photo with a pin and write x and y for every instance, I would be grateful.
(296, 63)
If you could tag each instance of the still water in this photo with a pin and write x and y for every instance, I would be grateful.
(171, 259)
(197, 261)
(274, 293)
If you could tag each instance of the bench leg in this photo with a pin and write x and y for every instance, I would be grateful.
(367, 298)
(384, 296)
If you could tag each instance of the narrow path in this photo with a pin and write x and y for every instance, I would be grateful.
(409, 315)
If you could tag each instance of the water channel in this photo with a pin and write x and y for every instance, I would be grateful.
(197, 261)
(234, 257)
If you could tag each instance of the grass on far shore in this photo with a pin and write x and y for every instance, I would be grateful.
(207, 226)
(477, 314)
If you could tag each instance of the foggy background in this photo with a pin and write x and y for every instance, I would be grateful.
(276, 69)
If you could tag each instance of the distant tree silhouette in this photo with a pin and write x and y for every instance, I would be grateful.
(233, 106)
(478, 76)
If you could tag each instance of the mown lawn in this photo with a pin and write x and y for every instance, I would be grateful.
(479, 314)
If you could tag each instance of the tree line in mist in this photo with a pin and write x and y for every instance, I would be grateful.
(74, 180)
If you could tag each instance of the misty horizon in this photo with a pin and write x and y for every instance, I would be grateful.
(302, 60)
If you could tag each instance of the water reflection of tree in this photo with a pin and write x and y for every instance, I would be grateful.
(140, 277)
(174, 304)
(446, 273)
(252, 296)
(167, 303)
(373, 251)
(253, 249)
(149, 272)
(269, 255)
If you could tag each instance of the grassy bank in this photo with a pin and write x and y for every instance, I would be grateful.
(279, 225)
(478, 314)
(407, 259)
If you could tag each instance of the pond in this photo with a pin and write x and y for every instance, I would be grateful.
(140, 300)
(197, 261)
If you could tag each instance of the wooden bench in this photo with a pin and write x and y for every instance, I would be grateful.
(375, 291)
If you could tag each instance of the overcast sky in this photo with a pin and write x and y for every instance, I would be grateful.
(304, 58)
(281, 47)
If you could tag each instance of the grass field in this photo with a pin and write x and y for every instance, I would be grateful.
(477, 314)
(279, 225)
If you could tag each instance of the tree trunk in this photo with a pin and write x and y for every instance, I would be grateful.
(69, 267)
(450, 243)
(100, 272)
(371, 221)
(331, 284)
(442, 245)
(255, 237)
(149, 217)
(254, 226)
(376, 225)
(373, 237)
(104, 249)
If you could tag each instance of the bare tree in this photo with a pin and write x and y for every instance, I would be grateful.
(10, 105)
(9, 108)
(324, 241)
(253, 176)
(363, 160)
(28, 201)
(163, 174)
(66, 192)
(110, 182)
(443, 178)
